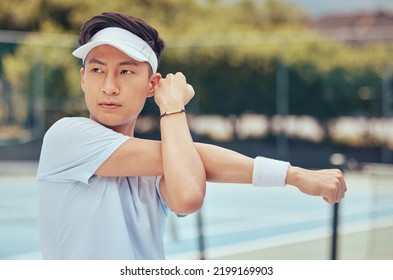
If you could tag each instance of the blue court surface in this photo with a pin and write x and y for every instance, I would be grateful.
(234, 218)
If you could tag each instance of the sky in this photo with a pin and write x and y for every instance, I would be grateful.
(317, 8)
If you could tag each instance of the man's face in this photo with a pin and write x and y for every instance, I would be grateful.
(116, 87)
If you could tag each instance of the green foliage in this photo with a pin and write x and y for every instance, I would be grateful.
(229, 52)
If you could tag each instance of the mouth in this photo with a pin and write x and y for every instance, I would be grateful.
(109, 105)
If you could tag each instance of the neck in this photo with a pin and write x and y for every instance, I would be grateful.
(126, 128)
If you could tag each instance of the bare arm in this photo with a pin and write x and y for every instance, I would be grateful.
(183, 185)
(143, 157)
(223, 165)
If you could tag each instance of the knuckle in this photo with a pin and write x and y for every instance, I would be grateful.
(336, 182)
(332, 190)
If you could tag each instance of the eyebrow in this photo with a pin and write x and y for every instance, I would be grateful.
(126, 62)
(129, 62)
(95, 61)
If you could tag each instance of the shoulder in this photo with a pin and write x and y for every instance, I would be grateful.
(73, 122)
(68, 130)
(81, 131)
(77, 126)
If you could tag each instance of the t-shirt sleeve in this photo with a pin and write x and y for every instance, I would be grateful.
(73, 149)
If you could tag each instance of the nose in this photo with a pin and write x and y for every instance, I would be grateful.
(109, 87)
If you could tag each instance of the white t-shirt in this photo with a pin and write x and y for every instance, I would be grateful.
(83, 216)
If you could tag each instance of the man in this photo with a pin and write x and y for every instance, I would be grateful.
(104, 194)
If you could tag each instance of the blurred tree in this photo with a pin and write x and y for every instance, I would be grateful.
(229, 51)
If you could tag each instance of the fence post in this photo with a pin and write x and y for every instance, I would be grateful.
(334, 231)
(201, 237)
(336, 161)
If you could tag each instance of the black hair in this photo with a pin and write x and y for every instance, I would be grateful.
(135, 25)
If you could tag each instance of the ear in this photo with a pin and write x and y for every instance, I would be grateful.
(82, 72)
(153, 82)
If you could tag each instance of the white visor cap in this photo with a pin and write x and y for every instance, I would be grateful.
(123, 40)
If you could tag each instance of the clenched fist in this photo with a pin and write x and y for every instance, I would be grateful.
(173, 92)
(327, 183)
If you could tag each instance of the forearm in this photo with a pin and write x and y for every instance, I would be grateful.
(227, 166)
(184, 173)
(224, 165)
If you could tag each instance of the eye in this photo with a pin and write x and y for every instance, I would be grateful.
(125, 71)
(96, 70)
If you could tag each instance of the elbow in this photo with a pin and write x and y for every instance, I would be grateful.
(190, 202)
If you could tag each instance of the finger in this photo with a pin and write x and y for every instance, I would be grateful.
(330, 196)
(328, 200)
(190, 88)
(180, 75)
(340, 193)
(342, 189)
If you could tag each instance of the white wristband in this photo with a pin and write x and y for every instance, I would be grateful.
(269, 172)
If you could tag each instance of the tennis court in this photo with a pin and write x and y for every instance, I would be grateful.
(238, 221)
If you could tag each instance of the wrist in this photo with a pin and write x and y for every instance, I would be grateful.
(170, 106)
(269, 172)
(292, 175)
(167, 113)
